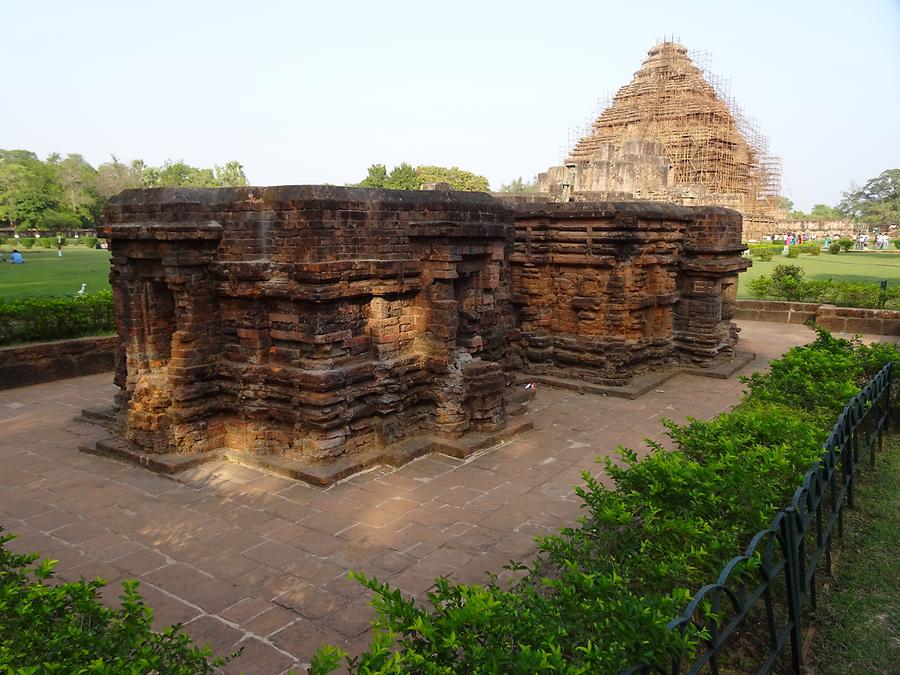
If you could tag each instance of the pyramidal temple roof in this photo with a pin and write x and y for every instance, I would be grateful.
(706, 137)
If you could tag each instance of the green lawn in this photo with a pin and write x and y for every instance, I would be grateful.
(868, 267)
(45, 273)
(858, 622)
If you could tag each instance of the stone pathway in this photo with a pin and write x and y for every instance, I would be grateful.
(247, 559)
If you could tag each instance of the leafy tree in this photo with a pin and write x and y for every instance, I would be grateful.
(456, 177)
(78, 181)
(66, 193)
(402, 177)
(518, 186)
(405, 177)
(27, 189)
(115, 176)
(877, 202)
(230, 175)
(177, 174)
(825, 212)
(376, 177)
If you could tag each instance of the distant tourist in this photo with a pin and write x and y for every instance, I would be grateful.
(16, 258)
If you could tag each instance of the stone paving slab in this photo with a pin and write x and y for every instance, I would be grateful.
(249, 559)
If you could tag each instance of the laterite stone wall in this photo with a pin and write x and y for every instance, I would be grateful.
(311, 322)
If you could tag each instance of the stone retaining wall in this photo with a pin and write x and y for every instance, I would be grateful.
(837, 319)
(48, 361)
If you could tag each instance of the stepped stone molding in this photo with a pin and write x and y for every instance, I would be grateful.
(304, 327)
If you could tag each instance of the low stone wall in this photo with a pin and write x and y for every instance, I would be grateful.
(836, 319)
(48, 361)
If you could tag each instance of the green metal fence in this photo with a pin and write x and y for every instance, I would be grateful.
(753, 614)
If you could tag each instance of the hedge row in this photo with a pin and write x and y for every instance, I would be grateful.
(49, 242)
(765, 252)
(56, 317)
(789, 283)
(600, 595)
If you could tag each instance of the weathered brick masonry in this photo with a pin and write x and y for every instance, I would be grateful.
(47, 361)
(609, 289)
(311, 324)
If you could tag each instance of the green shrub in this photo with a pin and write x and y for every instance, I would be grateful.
(44, 242)
(896, 243)
(782, 272)
(51, 627)
(55, 318)
(845, 244)
(793, 251)
(857, 294)
(764, 252)
(600, 594)
(761, 287)
(25, 242)
(835, 248)
(787, 283)
(90, 242)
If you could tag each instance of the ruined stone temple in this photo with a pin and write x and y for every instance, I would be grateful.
(672, 134)
(314, 331)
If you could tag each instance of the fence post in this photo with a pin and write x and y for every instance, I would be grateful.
(792, 586)
(850, 465)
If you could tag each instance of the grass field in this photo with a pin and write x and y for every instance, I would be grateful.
(867, 267)
(45, 273)
(858, 622)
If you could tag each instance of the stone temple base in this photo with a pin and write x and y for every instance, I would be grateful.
(316, 331)
(322, 475)
(641, 384)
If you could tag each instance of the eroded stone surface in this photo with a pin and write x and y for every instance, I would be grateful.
(309, 322)
(312, 324)
(604, 291)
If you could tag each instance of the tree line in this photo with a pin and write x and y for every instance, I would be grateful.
(875, 203)
(67, 192)
(406, 177)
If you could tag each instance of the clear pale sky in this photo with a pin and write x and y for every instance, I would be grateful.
(315, 92)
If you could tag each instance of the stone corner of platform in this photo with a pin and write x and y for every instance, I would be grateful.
(117, 448)
(722, 370)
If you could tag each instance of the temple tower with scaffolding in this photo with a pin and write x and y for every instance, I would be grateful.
(673, 134)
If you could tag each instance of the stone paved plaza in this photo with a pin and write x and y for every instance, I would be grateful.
(248, 559)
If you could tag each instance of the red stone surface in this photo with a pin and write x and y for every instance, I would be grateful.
(310, 323)
(48, 361)
(604, 291)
